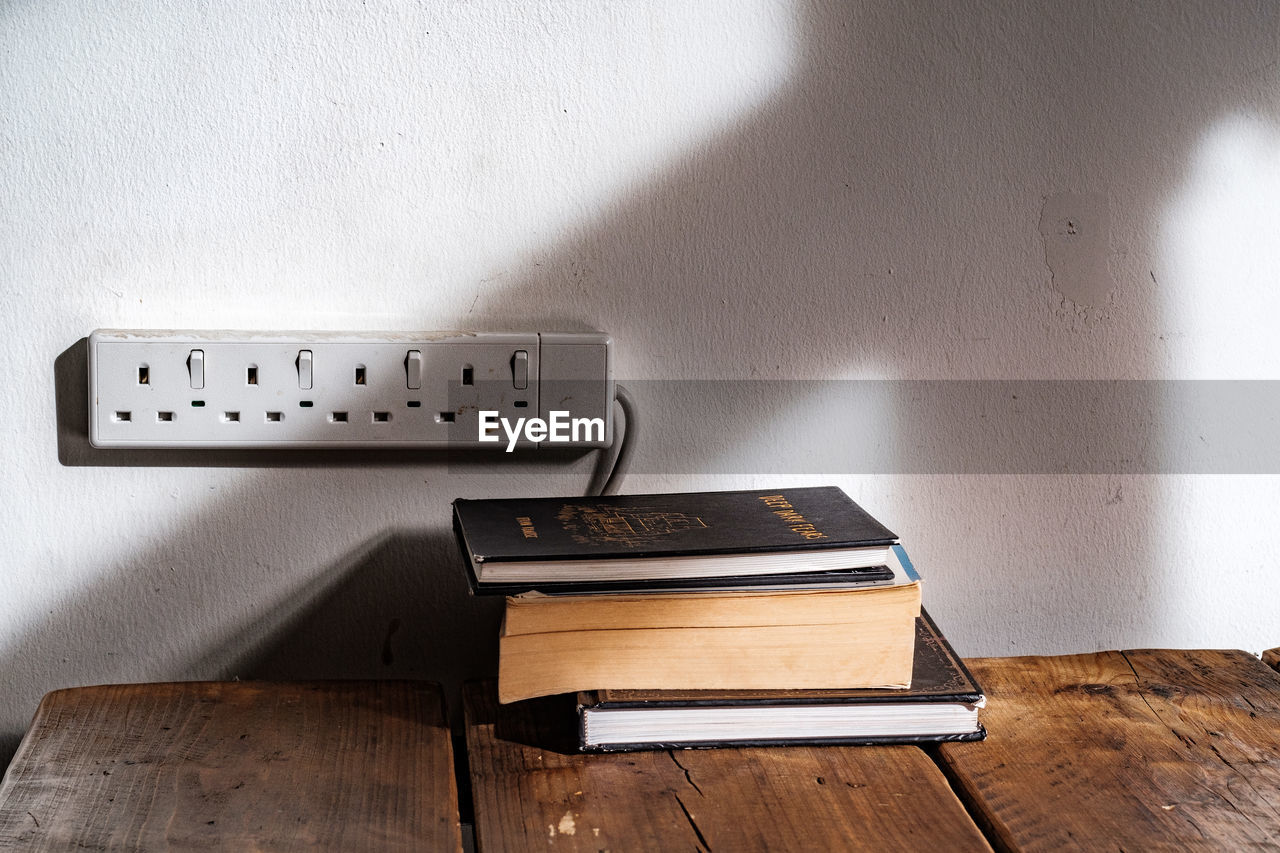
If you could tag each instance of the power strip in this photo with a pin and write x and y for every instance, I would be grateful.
(224, 389)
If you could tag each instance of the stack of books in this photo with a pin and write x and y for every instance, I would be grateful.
(714, 618)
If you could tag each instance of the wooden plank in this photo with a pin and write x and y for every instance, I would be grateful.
(532, 790)
(1271, 657)
(1137, 750)
(234, 766)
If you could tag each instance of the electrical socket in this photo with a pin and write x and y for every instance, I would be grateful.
(223, 389)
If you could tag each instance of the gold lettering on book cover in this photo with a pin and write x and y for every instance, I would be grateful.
(799, 525)
(630, 527)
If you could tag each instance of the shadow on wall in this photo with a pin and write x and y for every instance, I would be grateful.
(883, 216)
(398, 606)
(924, 198)
(384, 614)
(819, 236)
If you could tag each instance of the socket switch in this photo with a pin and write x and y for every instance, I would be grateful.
(220, 389)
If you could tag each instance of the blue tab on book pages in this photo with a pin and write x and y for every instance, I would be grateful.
(906, 562)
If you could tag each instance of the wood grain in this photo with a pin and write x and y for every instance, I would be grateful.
(234, 766)
(1271, 657)
(1138, 750)
(533, 791)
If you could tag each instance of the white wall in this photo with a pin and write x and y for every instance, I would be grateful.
(756, 189)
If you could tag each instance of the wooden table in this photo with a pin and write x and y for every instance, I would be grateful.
(234, 766)
(1138, 750)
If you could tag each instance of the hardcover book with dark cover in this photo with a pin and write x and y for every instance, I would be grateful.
(520, 543)
(941, 705)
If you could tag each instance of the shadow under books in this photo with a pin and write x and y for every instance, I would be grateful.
(549, 723)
